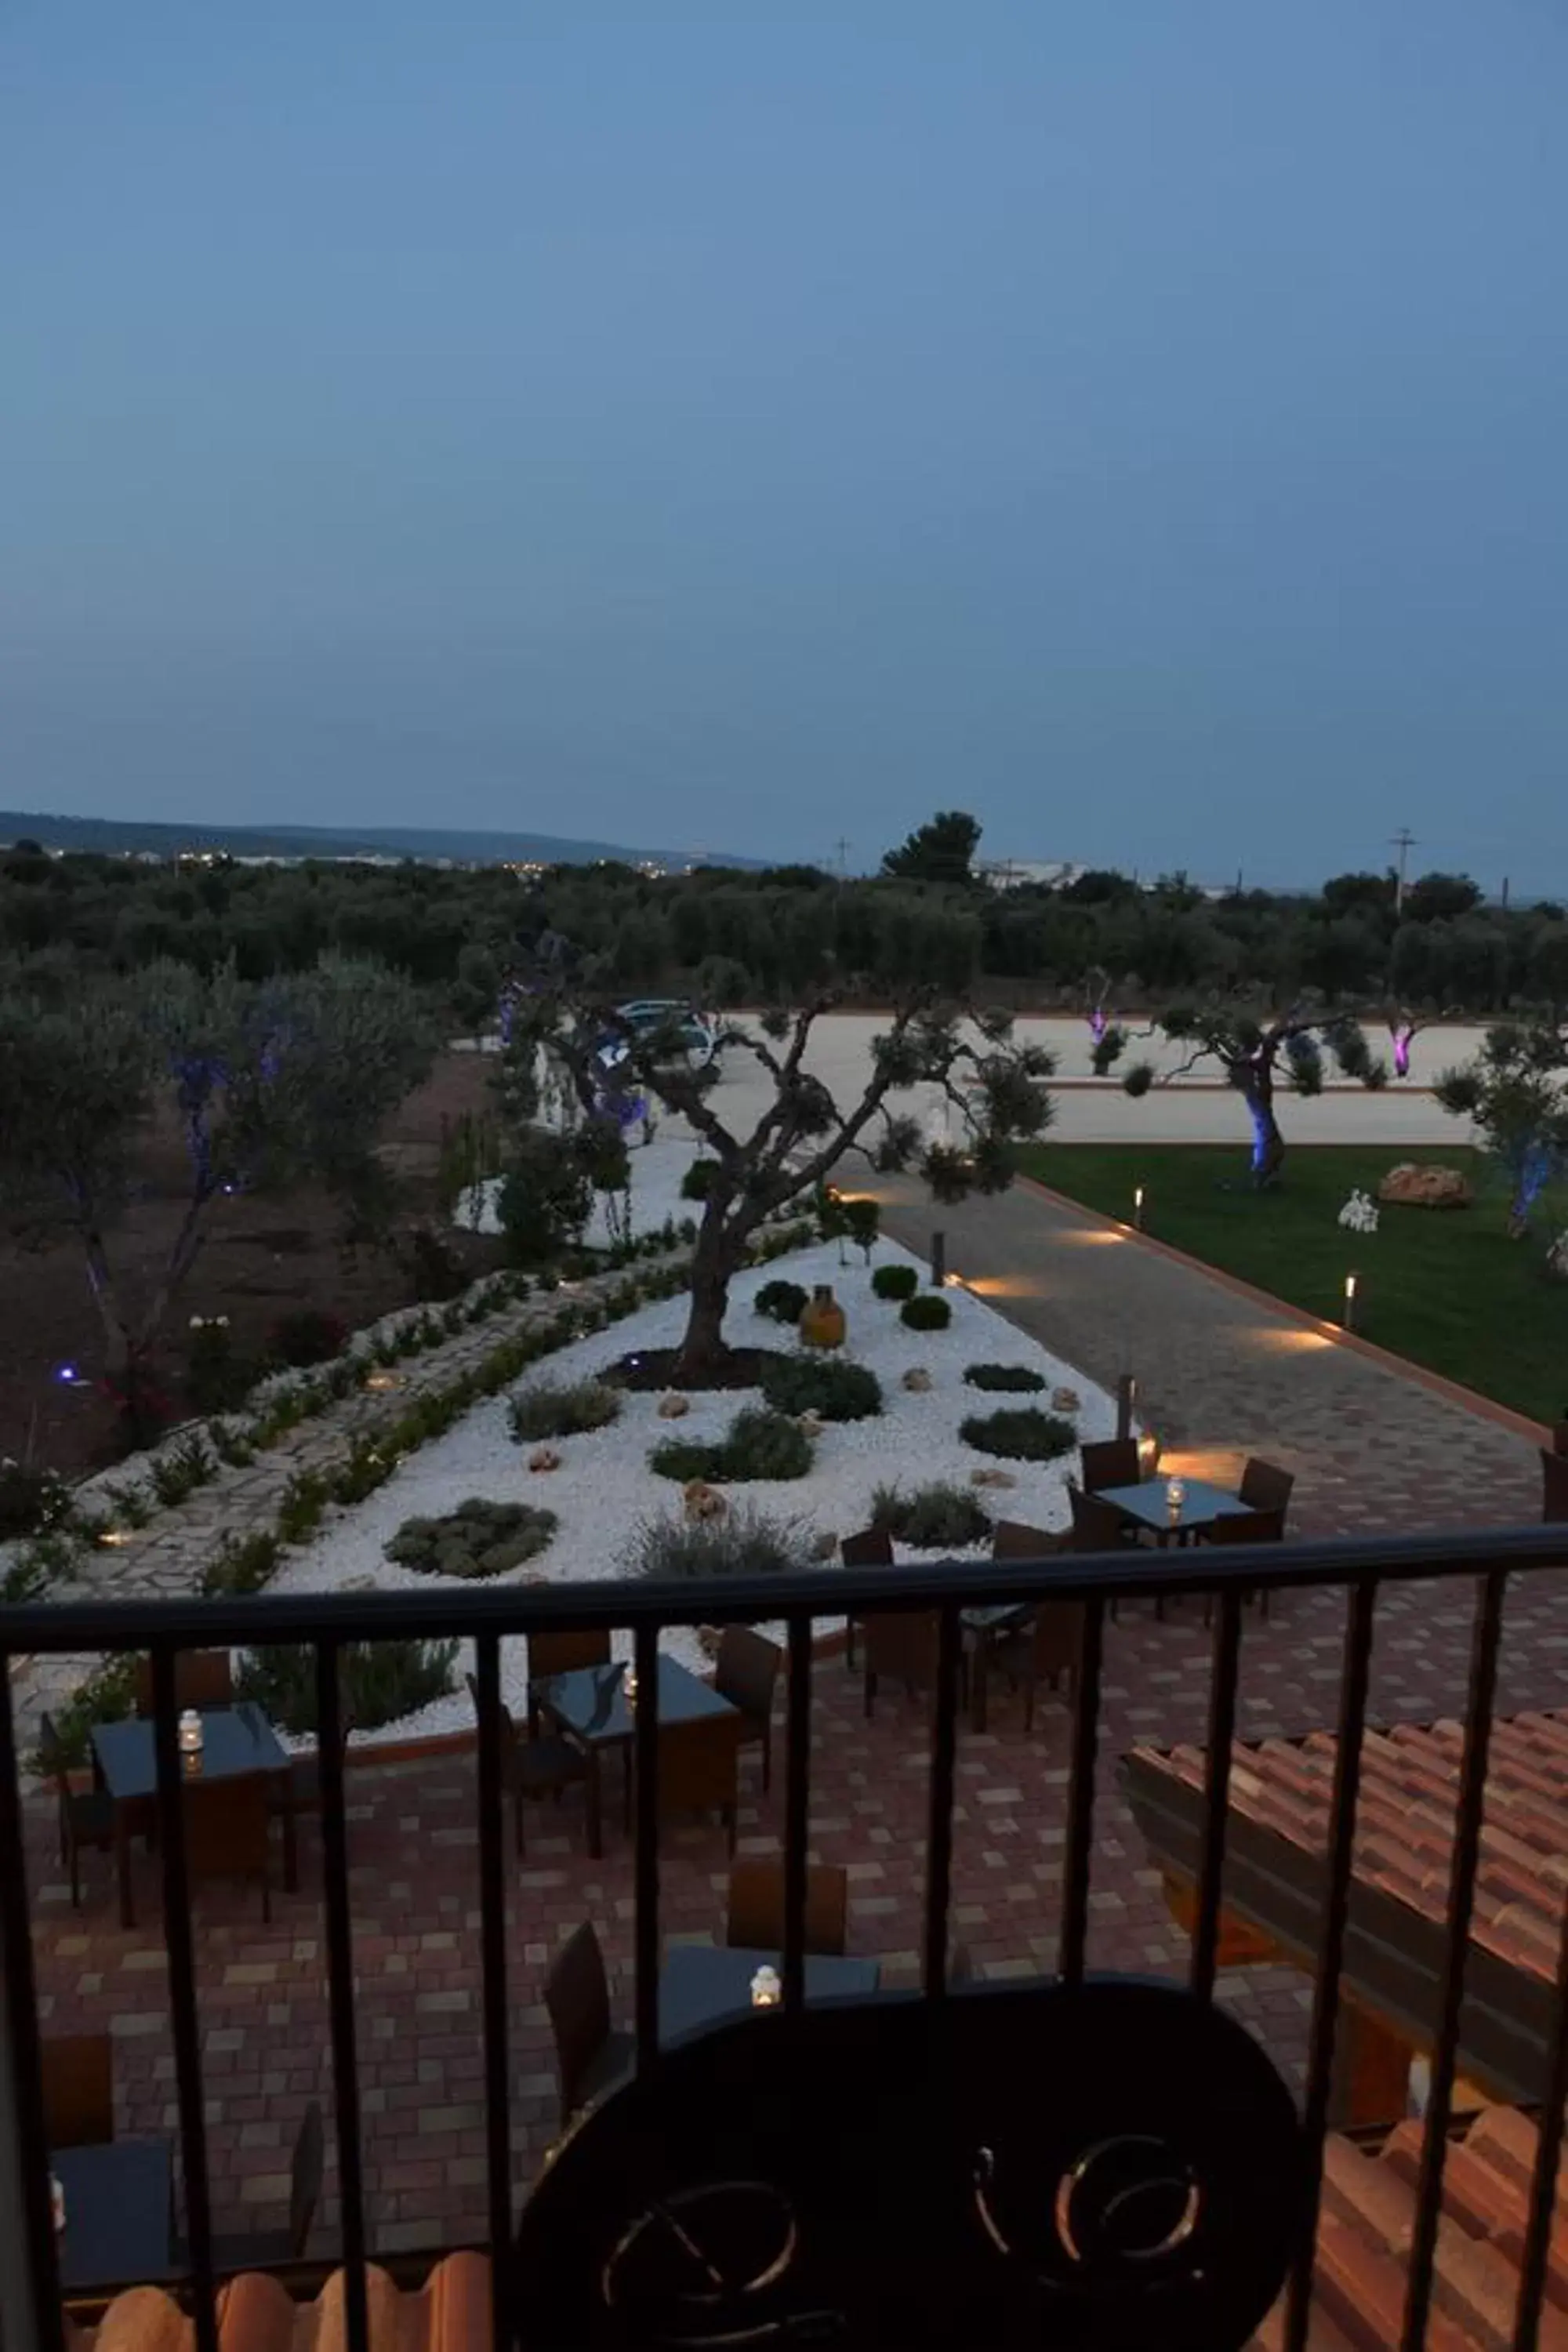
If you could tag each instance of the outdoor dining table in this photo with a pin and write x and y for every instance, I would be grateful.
(705, 1984)
(120, 2213)
(235, 1740)
(1146, 1507)
(984, 1629)
(589, 1708)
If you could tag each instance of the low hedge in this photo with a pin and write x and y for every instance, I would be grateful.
(1019, 1434)
(825, 1385)
(758, 1444)
(927, 1312)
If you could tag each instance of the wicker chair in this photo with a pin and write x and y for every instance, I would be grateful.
(700, 1769)
(1266, 1488)
(202, 1678)
(227, 1826)
(589, 2054)
(902, 1644)
(79, 2089)
(86, 1815)
(872, 1548)
(746, 1673)
(533, 1765)
(755, 1921)
(562, 1653)
(1113, 1462)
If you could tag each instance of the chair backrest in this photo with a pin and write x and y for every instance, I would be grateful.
(1112, 1462)
(902, 1643)
(1015, 1540)
(1265, 1486)
(509, 1736)
(1095, 1526)
(746, 1671)
(1059, 1638)
(1246, 1527)
(577, 1996)
(79, 2089)
(202, 1678)
(699, 1765)
(1554, 1486)
(566, 1653)
(227, 1826)
(52, 1755)
(871, 1547)
(305, 2179)
(756, 1914)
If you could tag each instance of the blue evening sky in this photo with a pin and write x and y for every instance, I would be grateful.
(1141, 422)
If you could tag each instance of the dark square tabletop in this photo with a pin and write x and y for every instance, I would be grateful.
(1201, 1505)
(591, 1705)
(119, 2213)
(701, 1984)
(235, 1739)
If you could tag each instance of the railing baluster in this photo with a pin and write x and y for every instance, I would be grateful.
(1080, 1801)
(1360, 1605)
(1216, 1793)
(341, 1991)
(30, 2316)
(1461, 1898)
(178, 1944)
(1547, 2158)
(939, 1831)
(492, 1942)
(797, 1807)
(644, 1664)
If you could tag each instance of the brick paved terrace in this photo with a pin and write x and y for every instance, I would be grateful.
(414, 1876)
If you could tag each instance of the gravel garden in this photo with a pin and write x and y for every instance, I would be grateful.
(573, 1476)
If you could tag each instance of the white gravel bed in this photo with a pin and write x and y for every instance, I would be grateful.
(604, 1488)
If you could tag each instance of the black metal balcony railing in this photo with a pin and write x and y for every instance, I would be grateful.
(1111, 2310)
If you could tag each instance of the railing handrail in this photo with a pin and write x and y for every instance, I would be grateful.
(43, 1628)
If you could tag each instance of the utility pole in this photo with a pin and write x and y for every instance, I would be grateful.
(843, 848)
(1404, 842)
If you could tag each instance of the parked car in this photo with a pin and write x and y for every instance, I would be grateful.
(693, 1037)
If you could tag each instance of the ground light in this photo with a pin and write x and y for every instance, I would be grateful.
(1348, 1318)
(1138, 1208)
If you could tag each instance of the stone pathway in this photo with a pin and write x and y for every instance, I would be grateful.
(1219, 1377)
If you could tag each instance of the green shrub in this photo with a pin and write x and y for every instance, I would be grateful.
(825, 1385)
(302, 1506)
(368, 1465)
(941, 1516)
(217, 1380)
(562, 1409)
(928, 1312)
(758, 1444)
(746, 1542)
(305, 1335)
(381, 1681)
(862, 1222)
(896, 1282)
(182, 1469)
(108, 1696)
(1020, 1432)
(782, 1302)
(242, 1564)
(699, 1179)
(1015, 1379)
(32, 1499)
(476, 1539)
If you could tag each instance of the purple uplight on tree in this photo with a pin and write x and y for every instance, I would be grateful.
(1401, 1034)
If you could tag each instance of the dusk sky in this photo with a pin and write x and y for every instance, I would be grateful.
(741, 427)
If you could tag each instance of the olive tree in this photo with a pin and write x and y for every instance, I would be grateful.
(994, 1088)
(271, 1083)
(1259, 1058)
(1516, 1093)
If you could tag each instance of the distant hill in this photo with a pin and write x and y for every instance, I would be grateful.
(111, 836)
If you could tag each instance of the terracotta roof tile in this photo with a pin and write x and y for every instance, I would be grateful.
(1365, 2226)
(1405, 1822)
(450, 2313)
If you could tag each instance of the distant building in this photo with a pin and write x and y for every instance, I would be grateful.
(1028, 873)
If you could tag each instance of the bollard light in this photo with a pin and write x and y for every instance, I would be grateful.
(1348, 1318)
(1138, 1208)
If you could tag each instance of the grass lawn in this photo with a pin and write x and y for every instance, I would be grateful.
(1446, 1288)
